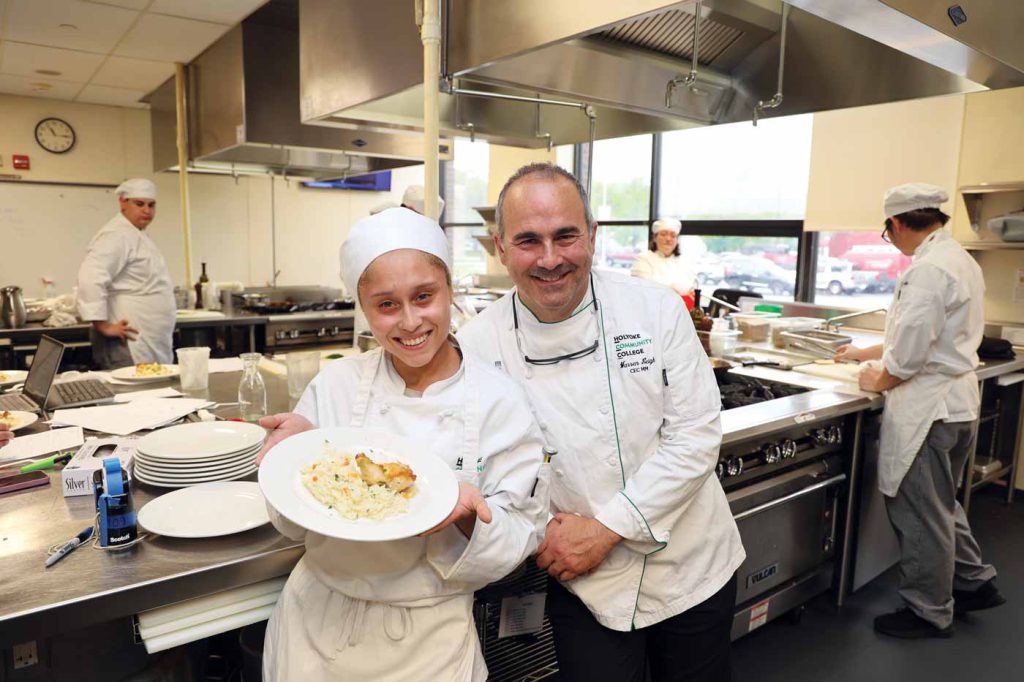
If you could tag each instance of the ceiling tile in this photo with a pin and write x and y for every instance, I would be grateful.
(136, 74)
(128, 4)
(20, 85)
(19, 59)
(224, 11)
(172, 39)
(97, 27)
(100, 94)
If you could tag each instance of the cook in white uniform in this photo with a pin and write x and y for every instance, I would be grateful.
(663, 263)
(932, 334)
(401, 610)
(642, 542)
(123, 285)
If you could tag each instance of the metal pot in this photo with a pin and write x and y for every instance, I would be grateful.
(12, 307)
(365, 341)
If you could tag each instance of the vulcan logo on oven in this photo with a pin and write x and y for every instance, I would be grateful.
(762, 574)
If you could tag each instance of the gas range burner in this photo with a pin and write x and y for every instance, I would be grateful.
(738, 390)
(286, 307)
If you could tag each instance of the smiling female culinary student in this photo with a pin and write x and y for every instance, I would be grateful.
(401, 610)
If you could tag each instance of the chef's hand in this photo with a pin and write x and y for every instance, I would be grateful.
(471, 505)
(120, 330)
(850, 353)
(281, 426)
(574, 546)
(870, 378)
(5, 436)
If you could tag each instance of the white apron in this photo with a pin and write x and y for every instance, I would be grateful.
(154, 316)
(317, 634)
(910, 409)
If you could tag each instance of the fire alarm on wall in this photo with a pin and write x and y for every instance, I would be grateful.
(20, 161)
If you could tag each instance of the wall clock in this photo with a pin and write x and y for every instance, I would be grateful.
(55, 136)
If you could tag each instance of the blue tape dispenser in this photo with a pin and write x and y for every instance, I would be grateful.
(114, 504)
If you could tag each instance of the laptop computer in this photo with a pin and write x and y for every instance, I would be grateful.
(41, 393)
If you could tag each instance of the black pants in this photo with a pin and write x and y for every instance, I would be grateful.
(690, 647)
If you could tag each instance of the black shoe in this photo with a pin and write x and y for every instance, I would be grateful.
(987, 596)
(906, 624)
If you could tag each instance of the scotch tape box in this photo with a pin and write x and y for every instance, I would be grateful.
(76, 479)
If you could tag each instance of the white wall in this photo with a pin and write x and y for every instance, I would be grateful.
(44, 229)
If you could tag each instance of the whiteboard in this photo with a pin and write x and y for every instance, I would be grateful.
(45, 229)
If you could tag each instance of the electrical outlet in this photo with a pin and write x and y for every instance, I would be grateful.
(25, 654)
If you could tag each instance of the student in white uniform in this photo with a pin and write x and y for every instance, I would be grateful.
(124, 288)
(642, 548)
(662, 262)
(932, 334)
(402, 610)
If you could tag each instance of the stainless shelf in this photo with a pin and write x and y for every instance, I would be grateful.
(972, 195)
(992, 246)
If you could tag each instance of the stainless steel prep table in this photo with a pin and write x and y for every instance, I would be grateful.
(91, 586)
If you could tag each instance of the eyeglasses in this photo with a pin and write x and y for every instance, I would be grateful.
(589, 350)
(887, 231)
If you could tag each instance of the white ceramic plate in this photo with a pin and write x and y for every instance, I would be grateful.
(201, 440)
(151, 468)
(162, 482)
(194, 476)
(437, 489)
(20, 419)
(206, 511)
(209, 462)
(128, 374)
(9, 377)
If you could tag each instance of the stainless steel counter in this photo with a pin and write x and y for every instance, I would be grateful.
(92, 586)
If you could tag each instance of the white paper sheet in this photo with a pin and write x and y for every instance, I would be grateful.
(122, 420)
(225, 365)
(142, 395)
(39, 444)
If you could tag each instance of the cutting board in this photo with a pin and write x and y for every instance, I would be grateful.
(831, 370)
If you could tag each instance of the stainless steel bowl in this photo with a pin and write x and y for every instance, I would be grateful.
(366, 342)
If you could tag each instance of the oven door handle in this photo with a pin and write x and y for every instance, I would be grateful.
(835, 480)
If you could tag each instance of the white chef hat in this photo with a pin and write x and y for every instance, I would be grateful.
(136, 188)
(415, 198)
(911, 197)
(390, 230)
(662, 224)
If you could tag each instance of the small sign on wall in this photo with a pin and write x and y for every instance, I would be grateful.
(20, 161)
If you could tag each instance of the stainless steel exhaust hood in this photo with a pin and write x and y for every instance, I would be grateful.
(620, 54)
(243, 110)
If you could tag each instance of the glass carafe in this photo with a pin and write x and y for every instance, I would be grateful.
(252, 392)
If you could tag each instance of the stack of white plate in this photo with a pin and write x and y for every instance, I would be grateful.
(189, 454)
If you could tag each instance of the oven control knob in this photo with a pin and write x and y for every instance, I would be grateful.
(335, 331)
(835, 435)
(322, 331)
(820, 437)
(294, 333)
(788, 448)
(280, 335)
(772, 453)
(734, 467)
(720, 471)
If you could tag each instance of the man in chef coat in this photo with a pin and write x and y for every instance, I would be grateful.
(641, 548)
(124, 289)
(932, 333)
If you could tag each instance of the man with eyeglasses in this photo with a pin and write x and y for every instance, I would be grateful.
(642, 548)
(929, 424)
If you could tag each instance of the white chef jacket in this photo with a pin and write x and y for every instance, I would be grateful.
(637, 429)
(672, 271)
(124, 277)
(932, 334)
(479, 422)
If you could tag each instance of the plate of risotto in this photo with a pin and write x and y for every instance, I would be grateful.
(358, 484)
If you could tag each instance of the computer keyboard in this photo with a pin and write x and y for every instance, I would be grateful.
(82, 391)
(16, 401)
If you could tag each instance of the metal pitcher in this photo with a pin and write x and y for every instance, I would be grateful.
(12, 310)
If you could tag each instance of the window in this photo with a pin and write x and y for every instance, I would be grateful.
(464, 187)
(763, 265)
(621, 187)
(737, 171)
(857, 270)
(620, 198)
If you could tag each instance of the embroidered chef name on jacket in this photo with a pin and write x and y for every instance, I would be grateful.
(633, 352)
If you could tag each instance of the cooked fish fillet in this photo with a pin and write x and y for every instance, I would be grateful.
(372, 473)
(399, 476)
